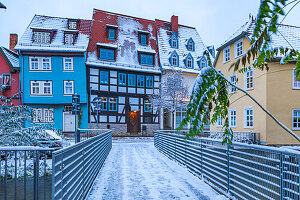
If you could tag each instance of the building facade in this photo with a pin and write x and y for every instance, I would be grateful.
(52, 59)
(180, 48)
(123, 70)
(9, 77)
(276, 89)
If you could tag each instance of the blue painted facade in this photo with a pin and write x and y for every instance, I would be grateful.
(57, 100)
(52, 67)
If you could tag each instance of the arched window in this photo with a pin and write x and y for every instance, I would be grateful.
(174, 43)
(203, 63)
(174, 60)
(189, 62)
(190, 45)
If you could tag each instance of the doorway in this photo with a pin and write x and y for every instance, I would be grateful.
(134, 122)
(69, 122)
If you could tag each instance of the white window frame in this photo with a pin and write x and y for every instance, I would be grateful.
(232, 89)
(230, 116)
(296, 84)
(72, 63)
(174, 57)
(73, 25)
(238, 46)
(245, 117)
(293, 116)
(226, 54)
(189, 63)
(203, 63)
(174, 43)
(219, 122)
(41, 87)
(40, 63)
(246, 77)
(69, 38)
(41, 37)
(65, 87)
(44, 115)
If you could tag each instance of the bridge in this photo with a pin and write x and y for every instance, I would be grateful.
(169, 166)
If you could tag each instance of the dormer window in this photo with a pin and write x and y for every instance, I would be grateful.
(190, 45)
(174, 41)
(143, 39)
(111, 34)
(202, 63)
(69, 38)
(73, 25)
(41, 37)
(189, 62)
(174, 59)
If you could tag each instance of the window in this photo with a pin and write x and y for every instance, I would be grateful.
(40, 63)
(190, 45)
(131, 79)
(248, 79)
(68, 87)
(232, 117)
(69, 38)
(122, 79)
(174, 59)
(41, 88)
(68, 64)
(140, 80)
(113, 104)
(41, 37)
(219, 121)
(107, 54)
(226, 54)
(233, 80)
(189, 62)
(143, 39)
(174, 42)
(73, 25)
(147, 106)
(43, 115)
(6, 79)
(296, 84)
(111, 34)
(248, 117)
(202, 63)
(180, 115)
(239, 48)
(149, 81)
(104, 103)
(146, 59)
(104, 75)
(296, 119)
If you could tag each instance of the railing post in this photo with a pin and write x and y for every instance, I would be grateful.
(281, 176)
(201, 147)
(36, 175)
(228, 168)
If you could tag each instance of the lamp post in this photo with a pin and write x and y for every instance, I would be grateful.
(76, 110)
(97, 103)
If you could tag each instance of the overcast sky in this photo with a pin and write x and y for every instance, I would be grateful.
(215, 20)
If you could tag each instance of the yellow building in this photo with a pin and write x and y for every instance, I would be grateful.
(276, 89)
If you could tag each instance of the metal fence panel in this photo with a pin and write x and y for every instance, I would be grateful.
(75, 168)
(240, 170)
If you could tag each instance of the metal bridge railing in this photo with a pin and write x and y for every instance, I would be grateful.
(239, 170)
(24, 172)
(75, 168)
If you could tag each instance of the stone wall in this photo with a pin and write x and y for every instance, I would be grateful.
(121, 129)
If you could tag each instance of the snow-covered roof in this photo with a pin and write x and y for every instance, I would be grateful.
(184, 34)
(11, 57)
(127, 41)
(59, 26)
(287, 36)
(246, 29)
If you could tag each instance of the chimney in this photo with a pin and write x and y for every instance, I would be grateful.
(13, 40)
(174, 23)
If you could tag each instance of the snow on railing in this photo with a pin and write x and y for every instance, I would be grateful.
(76, 167)
(24, 172)
(240, 171)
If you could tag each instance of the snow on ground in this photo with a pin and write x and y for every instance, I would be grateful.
(134, 169)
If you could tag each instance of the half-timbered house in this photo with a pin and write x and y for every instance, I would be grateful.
(123, 70)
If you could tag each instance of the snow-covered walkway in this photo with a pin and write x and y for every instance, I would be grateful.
(134, 170)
